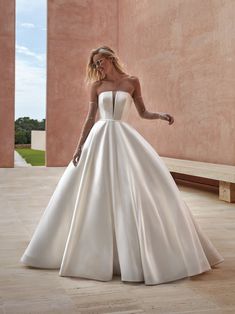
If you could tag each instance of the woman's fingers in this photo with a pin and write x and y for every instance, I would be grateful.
(170, 119)
(76, 158)
(74, 162)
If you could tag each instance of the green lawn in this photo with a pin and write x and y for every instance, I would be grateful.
(32, 156)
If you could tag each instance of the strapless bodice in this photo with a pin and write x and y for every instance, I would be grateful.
(114, 105)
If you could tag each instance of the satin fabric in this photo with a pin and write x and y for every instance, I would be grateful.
(119, 212)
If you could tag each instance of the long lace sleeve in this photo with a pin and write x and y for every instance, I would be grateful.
(89, 122)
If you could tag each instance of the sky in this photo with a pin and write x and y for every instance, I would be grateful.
(30, 94)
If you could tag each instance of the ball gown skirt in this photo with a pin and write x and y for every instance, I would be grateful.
(119, 212)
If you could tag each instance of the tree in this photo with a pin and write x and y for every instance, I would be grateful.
(23, 128)
(21, 137)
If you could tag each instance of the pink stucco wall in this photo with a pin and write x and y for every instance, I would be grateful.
(181, 50)
(7, 80)
(74, 28)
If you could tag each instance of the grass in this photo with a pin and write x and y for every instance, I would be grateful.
(32, 156)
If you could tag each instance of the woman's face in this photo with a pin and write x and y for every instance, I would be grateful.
(102, 63)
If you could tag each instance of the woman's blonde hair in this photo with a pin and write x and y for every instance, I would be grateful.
(92, 74)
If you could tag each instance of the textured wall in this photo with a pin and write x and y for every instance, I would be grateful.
(74, 28)
(7, 82)
(183, 52)
(38, 139)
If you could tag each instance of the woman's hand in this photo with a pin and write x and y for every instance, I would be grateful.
(167, 117)
(76, 156)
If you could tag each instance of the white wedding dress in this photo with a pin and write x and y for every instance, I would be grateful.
(119, 212)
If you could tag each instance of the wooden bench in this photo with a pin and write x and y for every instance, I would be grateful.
(225, 174)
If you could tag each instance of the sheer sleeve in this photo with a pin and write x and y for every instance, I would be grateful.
(139, 102)
(90, 118)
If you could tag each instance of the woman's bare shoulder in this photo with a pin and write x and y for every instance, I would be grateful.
(94, 86)
(134, 79)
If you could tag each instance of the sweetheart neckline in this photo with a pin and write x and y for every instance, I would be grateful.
(107, 91)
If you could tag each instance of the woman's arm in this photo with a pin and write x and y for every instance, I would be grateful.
(143, 112)
(89, 122)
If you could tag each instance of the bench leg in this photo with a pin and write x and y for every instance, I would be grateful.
(227, 191)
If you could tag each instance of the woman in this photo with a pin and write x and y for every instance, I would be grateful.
(107, 73)
(116, 209)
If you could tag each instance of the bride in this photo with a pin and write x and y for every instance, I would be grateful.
(105, 72)
(116, 209)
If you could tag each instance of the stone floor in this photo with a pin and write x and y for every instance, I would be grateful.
(20, 161)
(25, 192)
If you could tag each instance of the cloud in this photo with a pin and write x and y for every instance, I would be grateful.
(27, 25)
(26, 51)
(30, 95)
(26, 6)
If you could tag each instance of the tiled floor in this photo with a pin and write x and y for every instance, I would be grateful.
(25, 193)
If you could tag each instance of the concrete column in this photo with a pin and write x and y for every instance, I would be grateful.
(74, 28)
(7, 82)
(182, 51)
